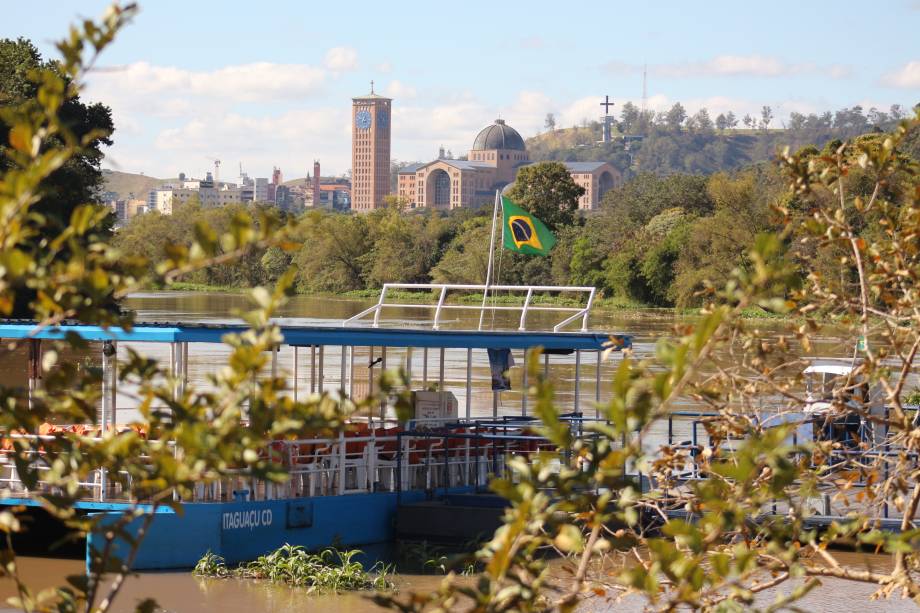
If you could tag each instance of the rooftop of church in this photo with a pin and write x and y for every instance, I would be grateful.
(498, 135)
(411, 169)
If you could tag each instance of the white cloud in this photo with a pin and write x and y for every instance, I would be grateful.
(732, 66)
(255, 82)
(384, 67)
(399, 90)
(341, 59)
(907, 76)
(290, 140)
(755, 65)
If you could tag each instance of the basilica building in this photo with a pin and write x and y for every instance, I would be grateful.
(493, 162)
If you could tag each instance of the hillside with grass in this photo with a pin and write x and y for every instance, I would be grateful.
(129, 184)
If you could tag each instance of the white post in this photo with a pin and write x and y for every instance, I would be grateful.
(409, 365)
(485, 291)
(342, 374)
(312, 369)
(295, 369)
(425, 368)
(597, 386)
(441, 387)
(524, 387)
(383, 402)
(351, 372)
(469, 381)
(321, 384)
(577, 379)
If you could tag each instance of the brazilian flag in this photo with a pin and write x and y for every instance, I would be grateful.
(525, 233)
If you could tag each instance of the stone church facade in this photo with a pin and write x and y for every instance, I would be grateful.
(497, 154)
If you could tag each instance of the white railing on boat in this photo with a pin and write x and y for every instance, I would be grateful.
(442, 305)
(380, 456)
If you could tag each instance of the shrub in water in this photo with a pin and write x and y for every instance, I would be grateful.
(329, 570)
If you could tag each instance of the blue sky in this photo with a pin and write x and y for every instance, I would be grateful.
(269, 83)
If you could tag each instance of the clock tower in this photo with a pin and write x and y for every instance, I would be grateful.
(370, 151)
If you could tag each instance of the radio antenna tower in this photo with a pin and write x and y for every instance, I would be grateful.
(644, 88)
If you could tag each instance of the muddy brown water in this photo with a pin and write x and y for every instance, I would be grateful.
(183, 592)
(180, 591)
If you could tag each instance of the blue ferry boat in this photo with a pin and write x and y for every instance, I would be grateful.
(346, 490)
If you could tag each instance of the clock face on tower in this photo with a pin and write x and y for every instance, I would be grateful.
(363, 119)
(382, 119)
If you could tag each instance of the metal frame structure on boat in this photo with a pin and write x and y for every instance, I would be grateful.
(444, 289)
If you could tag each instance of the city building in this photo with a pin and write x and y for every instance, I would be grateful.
(272, 189)
(126, 209)
(370, 151)
(497, 154)
(167, 197)
(260, 190)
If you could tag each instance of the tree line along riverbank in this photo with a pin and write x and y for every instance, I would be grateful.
(654, 242)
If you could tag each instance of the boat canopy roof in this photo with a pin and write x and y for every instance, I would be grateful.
(831, 366)
(325, 335)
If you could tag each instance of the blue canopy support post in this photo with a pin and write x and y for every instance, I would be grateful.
(469, 382)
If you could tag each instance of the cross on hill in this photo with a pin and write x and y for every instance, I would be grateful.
(606, 104)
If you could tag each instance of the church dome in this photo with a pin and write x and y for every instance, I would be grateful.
(498, 136)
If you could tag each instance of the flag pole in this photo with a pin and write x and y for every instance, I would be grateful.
(485, 291)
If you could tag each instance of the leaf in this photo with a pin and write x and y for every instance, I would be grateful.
(8, 522)
(21, 138)
(569, 539)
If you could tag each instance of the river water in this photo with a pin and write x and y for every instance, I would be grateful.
(183, 592)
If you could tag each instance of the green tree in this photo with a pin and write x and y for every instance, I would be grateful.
(547, 190)
(675, 117)
(766, 116)
(405, 247)
(701, 121)
(79, 179)
(629, 118)
(731, 120)
(466, 258)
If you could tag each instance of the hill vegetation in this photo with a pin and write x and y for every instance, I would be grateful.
(675, 142)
